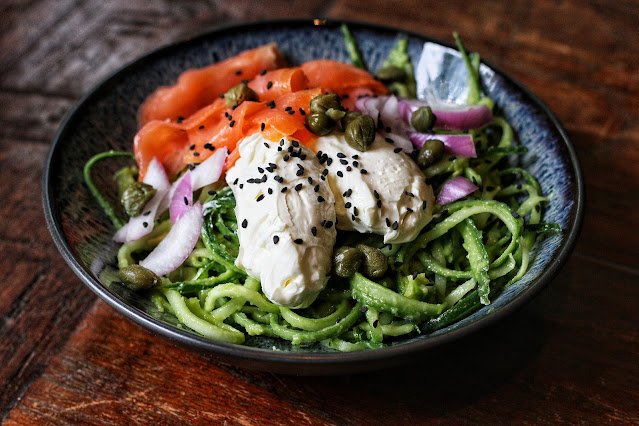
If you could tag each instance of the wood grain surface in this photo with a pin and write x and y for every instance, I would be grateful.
(570, 356)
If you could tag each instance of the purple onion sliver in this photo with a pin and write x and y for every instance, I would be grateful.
(454, 189)
(182, 197)
(458, 145)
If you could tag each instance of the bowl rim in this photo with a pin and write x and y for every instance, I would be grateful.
(264, 359)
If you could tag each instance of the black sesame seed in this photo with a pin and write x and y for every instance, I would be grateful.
(355, 163)
(328, 224)
(270, 191)
(364, 171)
(271, 104)
(201, 127)
(179, 120)
(389, 140)
(353, 217)
(145, 224)
(260, 198)
(322, 223)
(227, 237)
(264, 178)
(235, 181)
(291, 112)
(355, 211)
(192, 147)
(232, 123)
(286, 157)
(262, 127)
(148, 212)
(298, 241)
(395, 226)
(261, 170)
(299, 172)
(397, 150)
(424, 204)
(316, 188)
(298, 186)
(276, 239)
(349, 168)
(379, 204)
(310, 180)
(388, 129)
(329, 161)
(314, 231)
(196, 154)
(284, 189)
(344, 162)
(340, 174)
(408, 209)
(376, 194)
(266, 145)
(355, 157)
(295, 144)
(410, 194)
(388, 224)
(238, 72)
(320, 199)
(278, 178)
(288, 108)
(340, 155)
(241, 185)
(347, 205)
(302, 111)
(244, 223)
(375, 323)
(186, 201)
(324, 172)
(269, 85)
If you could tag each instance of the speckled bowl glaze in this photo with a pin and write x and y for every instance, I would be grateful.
(106, 119)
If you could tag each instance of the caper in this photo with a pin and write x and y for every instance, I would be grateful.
(323, 103)
(375, 264)
(335, 114)
(360, 133)
(390, 73)
(135, 197)
(238, 94)
(319, 123)
(431, 152)
(350, 116)
(347, 261)
(137, 277)
(422, 119)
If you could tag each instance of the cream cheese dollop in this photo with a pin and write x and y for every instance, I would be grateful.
(380, 190)
(286, 218)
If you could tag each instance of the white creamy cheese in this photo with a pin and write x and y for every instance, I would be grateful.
(286, 219)
(381, 190)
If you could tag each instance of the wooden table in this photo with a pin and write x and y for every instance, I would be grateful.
(569, 356)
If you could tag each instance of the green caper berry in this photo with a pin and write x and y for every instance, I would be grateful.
(335, 114)
(390, 73)
(360, 132)
(323, 103)
(350, 116)
(137, 277)
(135, 197)
(319, 123)
(431, 152)
(347, 261)
(422, 119)
(375, 263)
(238, 94)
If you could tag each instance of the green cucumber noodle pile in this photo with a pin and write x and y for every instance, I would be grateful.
(462, 260)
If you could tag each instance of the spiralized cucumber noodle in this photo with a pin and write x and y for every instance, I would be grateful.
(462, 260)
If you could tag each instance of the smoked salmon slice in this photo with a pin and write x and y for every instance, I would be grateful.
(207, 124)
(197, 88)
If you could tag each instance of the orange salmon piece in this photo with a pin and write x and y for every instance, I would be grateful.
(278, 82)
(197, 88)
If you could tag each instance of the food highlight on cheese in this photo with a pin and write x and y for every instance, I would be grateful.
(321, 204)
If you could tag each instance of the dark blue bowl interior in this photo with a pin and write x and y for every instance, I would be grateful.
(106, 119)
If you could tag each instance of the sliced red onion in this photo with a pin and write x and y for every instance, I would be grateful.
(454, 189)
(458, 145)
(141, 225)
(182, 198)
(208, 172)
(178, 243)
(451, 116)
(393, 127)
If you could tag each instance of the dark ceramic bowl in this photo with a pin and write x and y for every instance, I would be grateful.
(106, 119)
